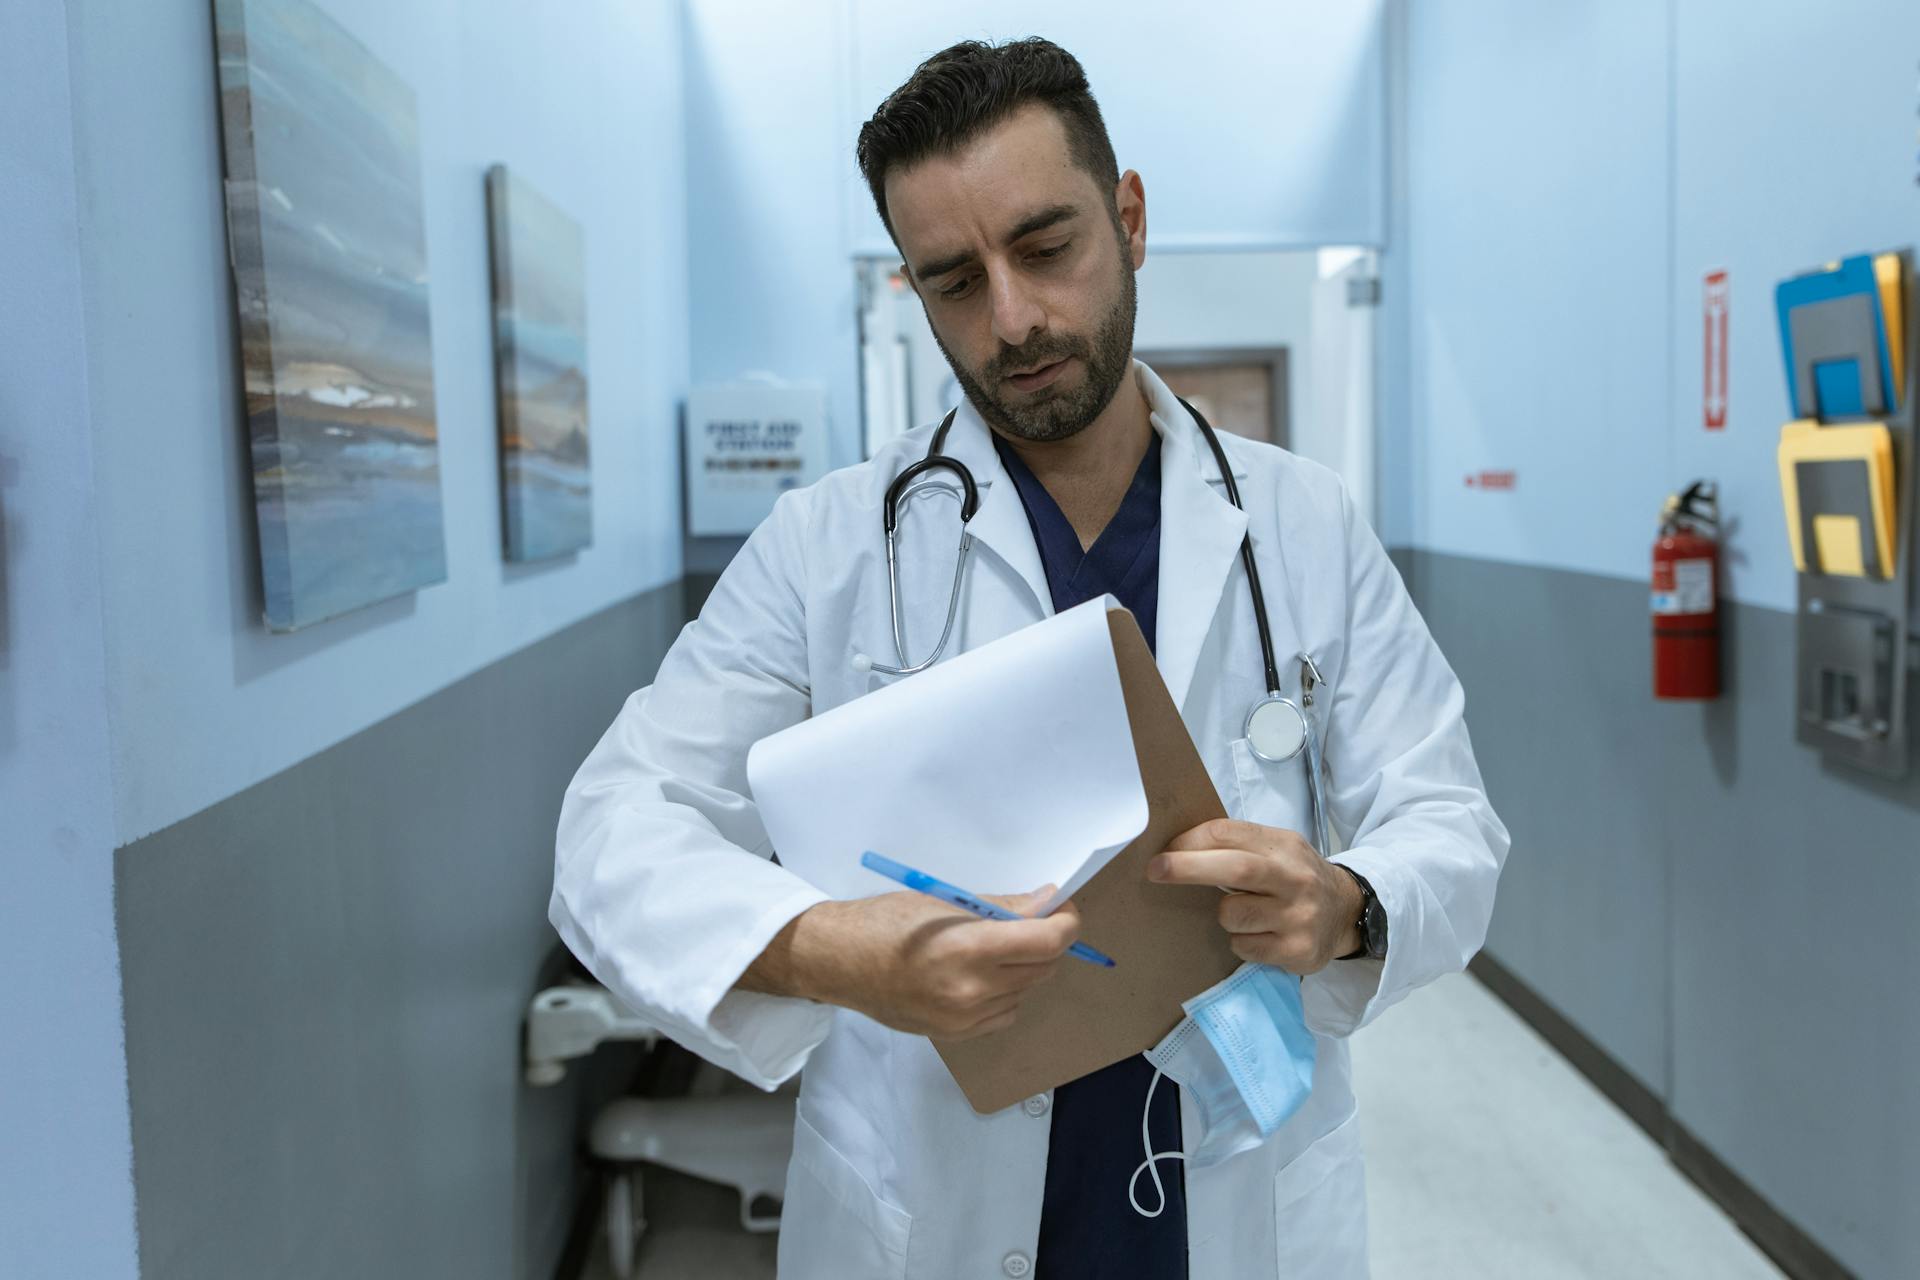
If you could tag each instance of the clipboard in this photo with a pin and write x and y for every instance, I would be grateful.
(1166, 939)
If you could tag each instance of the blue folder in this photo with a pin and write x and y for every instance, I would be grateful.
(1833, 332)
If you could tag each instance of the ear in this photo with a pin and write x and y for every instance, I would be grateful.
(1130, 200)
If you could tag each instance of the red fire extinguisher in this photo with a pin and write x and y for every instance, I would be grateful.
(1686, 595)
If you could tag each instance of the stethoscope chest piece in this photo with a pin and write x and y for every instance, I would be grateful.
(1276, 729)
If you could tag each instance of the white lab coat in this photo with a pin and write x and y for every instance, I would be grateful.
(663, 886)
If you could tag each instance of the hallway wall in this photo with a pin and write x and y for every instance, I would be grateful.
(214, 834)
(327, 977)
(584, 101)
(1695, 892)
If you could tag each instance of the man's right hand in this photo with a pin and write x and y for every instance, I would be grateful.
(916, 964)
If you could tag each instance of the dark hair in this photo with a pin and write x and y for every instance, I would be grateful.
(968, 88)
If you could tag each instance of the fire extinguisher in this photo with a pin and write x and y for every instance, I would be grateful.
(1686, 595)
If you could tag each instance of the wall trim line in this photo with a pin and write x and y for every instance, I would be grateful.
(1413, 550)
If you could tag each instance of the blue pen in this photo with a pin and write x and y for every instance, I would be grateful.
(921, 882)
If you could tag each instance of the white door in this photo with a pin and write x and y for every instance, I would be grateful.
(1337, 429)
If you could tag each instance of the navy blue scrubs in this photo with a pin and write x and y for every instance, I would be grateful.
(1088, 1229)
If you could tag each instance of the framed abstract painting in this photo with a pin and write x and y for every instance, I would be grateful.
(325, 225)
(540, 359)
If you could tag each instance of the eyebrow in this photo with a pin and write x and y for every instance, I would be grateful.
(1039, 221)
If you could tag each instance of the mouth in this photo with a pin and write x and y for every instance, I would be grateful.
(1040, 376)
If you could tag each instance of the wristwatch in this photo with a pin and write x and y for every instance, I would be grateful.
(1372, 922)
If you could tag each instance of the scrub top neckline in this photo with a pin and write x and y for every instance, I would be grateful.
(1123, 551)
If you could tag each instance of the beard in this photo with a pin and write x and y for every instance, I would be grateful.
(1056, 415)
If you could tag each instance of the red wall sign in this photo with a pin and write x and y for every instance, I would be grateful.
(1491, 480)
(1714, 394)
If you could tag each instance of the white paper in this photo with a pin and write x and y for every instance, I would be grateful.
(1001, 770)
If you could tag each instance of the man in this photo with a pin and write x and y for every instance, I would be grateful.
(993, 172)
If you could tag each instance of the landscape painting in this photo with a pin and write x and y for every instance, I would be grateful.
(540, 356)
(329, 252)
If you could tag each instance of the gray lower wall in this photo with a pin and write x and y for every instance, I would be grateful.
(1728, 918)
(325, 978)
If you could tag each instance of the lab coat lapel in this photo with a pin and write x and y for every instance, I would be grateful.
(1000, 525)
(1200, 535)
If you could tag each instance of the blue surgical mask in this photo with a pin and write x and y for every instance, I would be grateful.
(1244, 1055)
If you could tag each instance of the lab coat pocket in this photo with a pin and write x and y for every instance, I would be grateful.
(1320, 1208)
(832, 1224)
(1273, 795)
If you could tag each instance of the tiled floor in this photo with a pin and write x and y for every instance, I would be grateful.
(1488, 1158)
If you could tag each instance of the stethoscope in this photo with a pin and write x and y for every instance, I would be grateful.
(1277, 728)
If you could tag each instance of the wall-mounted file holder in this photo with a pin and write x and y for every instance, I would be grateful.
(1852, 351)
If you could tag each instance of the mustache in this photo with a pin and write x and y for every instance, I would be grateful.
(1038, 352)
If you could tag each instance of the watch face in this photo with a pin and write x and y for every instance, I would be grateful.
(1376, 929)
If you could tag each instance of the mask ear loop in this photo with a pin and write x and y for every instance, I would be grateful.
(1151, 1163)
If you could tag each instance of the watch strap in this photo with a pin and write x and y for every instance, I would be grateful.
(1368, 900)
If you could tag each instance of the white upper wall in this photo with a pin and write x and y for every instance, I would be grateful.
(1537, 278)
(771, 286)
(1574, 171)
(584, 100)
(1796, 141)
(1253, 125)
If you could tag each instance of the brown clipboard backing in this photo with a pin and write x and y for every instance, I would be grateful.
(1166, 939)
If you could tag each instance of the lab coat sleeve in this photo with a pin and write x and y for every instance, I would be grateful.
(663, 886)
(1403, 782)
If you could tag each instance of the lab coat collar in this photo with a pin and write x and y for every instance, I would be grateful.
(1200, 534)
(1200, 530)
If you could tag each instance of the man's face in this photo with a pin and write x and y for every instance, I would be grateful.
(1026, 279)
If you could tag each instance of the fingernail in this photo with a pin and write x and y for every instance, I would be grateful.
(1157, 866)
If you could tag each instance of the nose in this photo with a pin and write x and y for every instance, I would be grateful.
(1016, 316)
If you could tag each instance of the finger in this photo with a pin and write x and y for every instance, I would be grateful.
(999, 981)
(996, 1011)
(1019, 978)
(977, 1021)
(999, 1005)
(1024, 941)
(987, 1028)
(1024, 904)
(1282, 951)
(1258, 948)
(1218, 833)
(1030, 939)
(1224, 868)
(1251, 913)
(1000, 1023)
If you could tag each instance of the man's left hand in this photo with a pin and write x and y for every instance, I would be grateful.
(1285, 905)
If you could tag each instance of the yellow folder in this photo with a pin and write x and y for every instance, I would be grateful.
(1893, 313)
(1837, 486)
